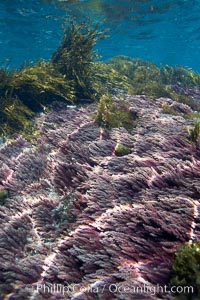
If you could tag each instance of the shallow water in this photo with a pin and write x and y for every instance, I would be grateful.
(99, 162)
(165, 32)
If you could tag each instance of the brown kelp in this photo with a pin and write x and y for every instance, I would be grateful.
(38, 85)
(74, 58)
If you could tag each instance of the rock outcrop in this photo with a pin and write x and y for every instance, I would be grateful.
(80, 222)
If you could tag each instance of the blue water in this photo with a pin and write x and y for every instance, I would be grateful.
(165, 32)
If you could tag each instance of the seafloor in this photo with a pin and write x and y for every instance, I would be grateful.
(82, 223)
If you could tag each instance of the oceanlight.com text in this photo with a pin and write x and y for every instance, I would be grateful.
(113, 288)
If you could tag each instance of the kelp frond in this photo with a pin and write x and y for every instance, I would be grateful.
(75, 56)
(40, 84)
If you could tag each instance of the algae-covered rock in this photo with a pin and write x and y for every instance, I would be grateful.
(179, 74)
(110, 80)
(109, 115)
(143, 77)
(167, 109)
(121, 150)
(194, 133)
(3, 196)
(15, 117)
(186, 268)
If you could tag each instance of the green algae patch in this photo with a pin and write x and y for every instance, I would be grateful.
(167, 109)
(107, 79)
(179, 75)
(121, 150)
(186, 269)
(194, 133)
(192, 103)
(15, 117)
(145, 72)
(143, 77)
(3, 196)
(114, 115)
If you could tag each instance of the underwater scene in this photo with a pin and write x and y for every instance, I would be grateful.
(99, 150)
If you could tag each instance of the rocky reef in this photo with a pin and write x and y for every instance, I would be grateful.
(80, 222)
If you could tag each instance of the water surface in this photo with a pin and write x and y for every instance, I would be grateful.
(166, 32)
